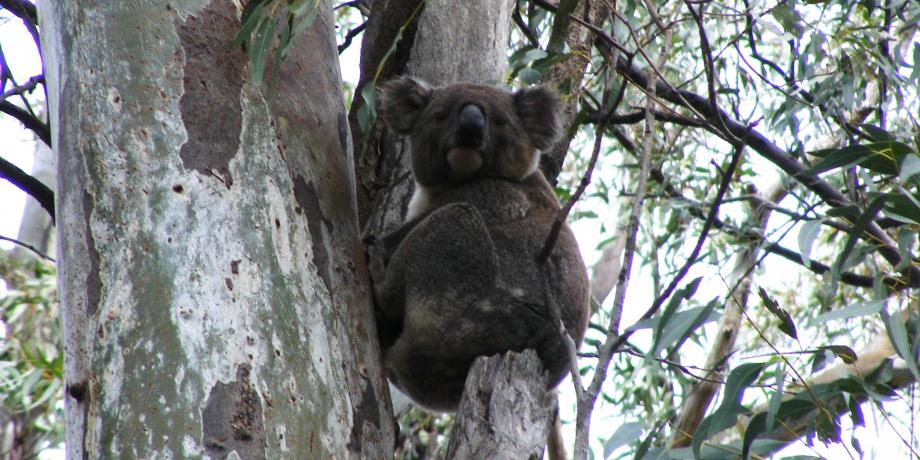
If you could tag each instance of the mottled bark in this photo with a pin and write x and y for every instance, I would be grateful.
(374, 147)
(506, 411)
(212, 285)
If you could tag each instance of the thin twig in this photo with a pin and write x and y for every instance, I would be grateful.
(27, 12)
(639, 115)
(351, 35)
(28, 246)
(585, 406)
(26, 87)
(524, 28)
(360, 5)
(707, 226)
(709, 67)
(585, 179)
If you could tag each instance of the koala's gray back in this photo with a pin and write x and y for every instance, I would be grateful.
(472, 287)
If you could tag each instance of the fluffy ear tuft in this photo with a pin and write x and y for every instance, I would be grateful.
(538, 109)
(401, 101)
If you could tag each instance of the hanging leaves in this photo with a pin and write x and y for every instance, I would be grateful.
(260, 24)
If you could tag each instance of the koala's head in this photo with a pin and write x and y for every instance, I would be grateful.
(462, 131)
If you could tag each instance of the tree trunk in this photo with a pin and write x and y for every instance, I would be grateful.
(506, 410)
(212, 285)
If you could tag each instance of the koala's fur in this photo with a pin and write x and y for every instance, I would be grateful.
(460, 279)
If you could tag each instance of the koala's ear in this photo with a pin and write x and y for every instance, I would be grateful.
(538, 109)
(401, 101)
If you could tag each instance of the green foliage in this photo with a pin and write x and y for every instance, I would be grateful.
(786, 325)
(31, 352)
(727, 414)
(423, 435)
(265, 21)
(833, 86)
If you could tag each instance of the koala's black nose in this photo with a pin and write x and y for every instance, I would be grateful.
(471, 127)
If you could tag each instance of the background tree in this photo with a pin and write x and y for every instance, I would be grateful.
(772, 251)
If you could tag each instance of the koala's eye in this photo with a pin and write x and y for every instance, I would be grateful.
(440, 115)
(499, 121)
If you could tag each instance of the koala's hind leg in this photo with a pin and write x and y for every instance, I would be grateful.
(445, 266)
(449, 250)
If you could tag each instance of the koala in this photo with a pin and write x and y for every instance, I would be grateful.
(460, 278)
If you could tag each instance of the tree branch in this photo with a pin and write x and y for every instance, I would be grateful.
(28, 13)
(506, 399)
(707, 226)
(700, 397)
(525, 30)
(29, 247)
(351, 36)
(30, 122)
(583, 185)
(28, 184)
(759, 143)
(26, 87)
(871, 358)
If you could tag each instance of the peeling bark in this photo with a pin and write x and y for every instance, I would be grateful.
(212, 285)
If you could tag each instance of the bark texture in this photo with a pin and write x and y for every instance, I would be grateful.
(566, 78)
(506, 411)
(212, 285)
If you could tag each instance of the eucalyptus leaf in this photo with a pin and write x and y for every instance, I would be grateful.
(777, 398)
(855, 233)
(897, 333)
(626, 434)
(251, 17)
(264, 35)
(727, 413)
(789, 410)
(786, 325)
(682, 294)
(808, 232)
(851, 311)
(841, 351)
